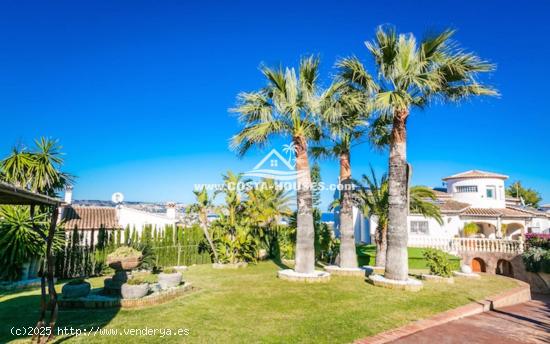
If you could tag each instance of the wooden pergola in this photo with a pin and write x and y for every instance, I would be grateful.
(14, 195)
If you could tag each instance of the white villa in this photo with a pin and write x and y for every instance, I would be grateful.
(471, 196)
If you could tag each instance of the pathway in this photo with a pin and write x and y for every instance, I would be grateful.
(525, 323)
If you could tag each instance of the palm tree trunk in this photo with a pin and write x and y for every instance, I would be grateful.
(305, 250)
(396, 256)
(204, 226)
(381, 244)
(348, 256)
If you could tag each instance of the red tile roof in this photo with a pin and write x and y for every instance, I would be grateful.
(450, 206)
(441, 194)
(496, 212)
(88, 218)
(476, 174)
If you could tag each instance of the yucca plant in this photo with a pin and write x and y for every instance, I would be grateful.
(202, 205)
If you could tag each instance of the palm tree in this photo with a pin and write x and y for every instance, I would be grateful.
(233, 198)
(344, 117)
(266, 205)
(288, 106)
(37, 170)
(373, 195)
(40, 171)
(411, 75)
(201, 207)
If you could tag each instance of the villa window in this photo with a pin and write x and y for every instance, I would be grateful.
(491, 192)
(420, 227)
(466, 188)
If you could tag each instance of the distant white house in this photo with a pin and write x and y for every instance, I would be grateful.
(471, 196)
(90, 219)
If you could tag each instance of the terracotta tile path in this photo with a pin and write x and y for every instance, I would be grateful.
(524, 323)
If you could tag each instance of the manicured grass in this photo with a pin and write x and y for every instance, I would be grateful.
(367, 254)
(252, 305)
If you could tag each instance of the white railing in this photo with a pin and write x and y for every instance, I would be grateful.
(487, 245)
(456, 245)
(443, 244)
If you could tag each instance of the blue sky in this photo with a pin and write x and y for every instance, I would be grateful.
(137, 92)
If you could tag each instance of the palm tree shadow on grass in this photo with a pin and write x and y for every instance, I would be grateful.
(23, 311)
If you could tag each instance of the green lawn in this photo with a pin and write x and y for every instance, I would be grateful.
(367, 254)
(252, 305)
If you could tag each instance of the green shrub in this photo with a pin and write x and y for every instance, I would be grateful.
(148, 256)
(169, 270)
(125, 252)
(136, 281)
(470, 229)
(437, 262)
(537, 259)
(538, 240)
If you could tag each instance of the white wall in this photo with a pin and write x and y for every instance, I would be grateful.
(478, 199)
(138, 219)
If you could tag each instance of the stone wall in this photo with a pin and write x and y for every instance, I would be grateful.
(539, 282)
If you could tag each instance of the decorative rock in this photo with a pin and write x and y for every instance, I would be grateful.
(466, 269)
(314, 277)
(408, 285)
(229, 265)
(169, 280)
(438, 279)
(262, 254)
(155, 288)
(376, 270)
(462, 274)
(134, 291)
(74, 291)
(111, 286)
(339, 271)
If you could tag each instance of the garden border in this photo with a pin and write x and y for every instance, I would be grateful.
(150, 300)
(518, 295)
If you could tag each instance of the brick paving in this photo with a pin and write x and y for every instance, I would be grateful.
(524, 323)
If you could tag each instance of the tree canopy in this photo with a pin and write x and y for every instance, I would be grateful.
(531, 197)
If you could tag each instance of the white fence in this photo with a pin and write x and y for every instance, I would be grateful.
(456, 245)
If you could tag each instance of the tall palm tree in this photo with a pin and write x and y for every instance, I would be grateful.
(287, 106)
(345, 119)
(203, 203)
(373, 195)
(412, 75)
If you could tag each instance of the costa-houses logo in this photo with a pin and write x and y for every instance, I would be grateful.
(275, 166)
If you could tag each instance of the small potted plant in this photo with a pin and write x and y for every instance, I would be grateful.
(169, 278)
(124, 258)
(135, 288)
(470, 229)
(76, 288)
